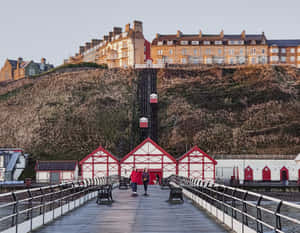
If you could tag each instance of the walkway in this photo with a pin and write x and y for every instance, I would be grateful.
(152, 214)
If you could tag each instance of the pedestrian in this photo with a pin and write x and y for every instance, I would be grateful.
(145, 177)
(157, 179)
(134, 180)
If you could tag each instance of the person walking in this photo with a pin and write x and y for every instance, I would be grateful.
(134, 181)
(145, 177)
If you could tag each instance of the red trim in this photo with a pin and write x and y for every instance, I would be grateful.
(154, 144)
(100, 148)
(266, 174)
(287, 173)
(248, 173)
(196, 148)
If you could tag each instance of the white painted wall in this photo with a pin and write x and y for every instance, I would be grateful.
(225, 166)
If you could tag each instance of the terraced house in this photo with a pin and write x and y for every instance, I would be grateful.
(117, 49)
(210, 48)
(18, 69)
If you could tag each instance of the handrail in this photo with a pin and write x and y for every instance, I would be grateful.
(24, 205)
(217, 194)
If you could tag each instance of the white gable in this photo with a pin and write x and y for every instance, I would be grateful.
(148, 148)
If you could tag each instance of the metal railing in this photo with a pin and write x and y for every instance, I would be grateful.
(26, 210)
(242, 210)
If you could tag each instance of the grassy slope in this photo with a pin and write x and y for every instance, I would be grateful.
(248, 110)
(66, 116)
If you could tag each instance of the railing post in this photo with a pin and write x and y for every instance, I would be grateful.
(42, 209)
(245, 217)
(15, 212)
(259, 226)
(233, 211)
(278, 219)
(30, 206)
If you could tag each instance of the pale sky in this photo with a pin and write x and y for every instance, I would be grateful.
(55, 29)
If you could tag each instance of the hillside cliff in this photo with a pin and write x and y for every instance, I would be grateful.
(223, 111)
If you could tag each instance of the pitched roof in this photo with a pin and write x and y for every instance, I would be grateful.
(284, 43)
(95, 152)
(151, 146)
(13, 63)
(196, 148)
(65, 165)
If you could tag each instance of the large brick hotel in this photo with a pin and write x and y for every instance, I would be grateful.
(130, 49)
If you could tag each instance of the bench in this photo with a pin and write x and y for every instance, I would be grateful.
(104, 193)
(124, 183)
(165, 183)
(175, 193)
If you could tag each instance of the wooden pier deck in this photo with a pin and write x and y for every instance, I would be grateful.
(151, 214)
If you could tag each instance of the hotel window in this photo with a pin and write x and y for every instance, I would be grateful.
(195, 52)
(231, 61)
(283, 50)
(195, 42)
(253, 60)
(159, 52)
(253, 51)
(170, 60)
(206, 42)
(274, 58)
(207, 51)
(183, 60)
(170, 42)
(184, 42)
(264, 60)
(241, 51)
(231, 51)
(292, 59)
(124, 44)
(183, 51)
(292, 50)
(208, 60)
(218, 42)
(263, 51)
(298, 58)
(274, 50)
(220, 51)
(160, 43)
(171, 51)
(298, 50)
(283, 59)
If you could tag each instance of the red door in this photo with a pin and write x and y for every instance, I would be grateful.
(299, 175)
(284, 173)
(248, 174)
(266, 174)
(153, 174)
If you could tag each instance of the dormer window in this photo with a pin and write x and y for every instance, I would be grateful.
(218, 42)
(253, 42)
(194, 42)
(184, 42)
(206, 42)
(160, 43)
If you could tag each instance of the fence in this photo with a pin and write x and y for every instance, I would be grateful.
(241, 210)
(27, 210)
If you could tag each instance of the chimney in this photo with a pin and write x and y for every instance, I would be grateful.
(20, 60)
(110, 35)
(117, 31)
(43, 60)
(222, 34)
(127, 27)
(137, 26)
(81, 49)
(200, 34)
(157, 35)
(179, 34)
(243, 34)
(87, 45)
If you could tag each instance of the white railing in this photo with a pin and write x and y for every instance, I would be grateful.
(241, 210)
(26, 210)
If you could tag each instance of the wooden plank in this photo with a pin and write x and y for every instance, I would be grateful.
(135, 214)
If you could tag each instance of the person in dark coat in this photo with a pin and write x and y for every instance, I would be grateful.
(146, 178)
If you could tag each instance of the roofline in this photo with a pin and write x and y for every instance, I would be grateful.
(143, 143)
(36, 163)
(198, 149)
(100, 148)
